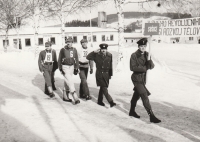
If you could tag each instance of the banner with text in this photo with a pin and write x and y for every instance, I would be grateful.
(189, 27)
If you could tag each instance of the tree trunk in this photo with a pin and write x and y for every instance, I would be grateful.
(62, 29)
(120, 8)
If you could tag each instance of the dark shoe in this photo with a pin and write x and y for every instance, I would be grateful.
(77, 102)
(51, 95)
(88, 97)
(46, 92)
(54, 88)
(134, 114)
(154, 119)
(112, 104)
(69, 100)
(101, 103)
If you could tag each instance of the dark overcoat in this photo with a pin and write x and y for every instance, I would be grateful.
(104, 67)
(41, 59)
(138, 64)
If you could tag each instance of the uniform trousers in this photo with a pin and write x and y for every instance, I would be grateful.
(48, 77)
(68, 78)
(145, 100)
(83, 90)
(104, 91)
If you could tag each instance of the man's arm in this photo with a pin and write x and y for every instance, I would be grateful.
(134, 66)
(76, 65)
(40, 62)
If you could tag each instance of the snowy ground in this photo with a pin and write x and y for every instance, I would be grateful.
(27, 115)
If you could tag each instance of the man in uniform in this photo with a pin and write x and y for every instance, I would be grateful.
(103, 60)
(139, 65)
(48, 64)
(84, 66)
(68, 64)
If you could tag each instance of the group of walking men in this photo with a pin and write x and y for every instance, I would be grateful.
(78, 61)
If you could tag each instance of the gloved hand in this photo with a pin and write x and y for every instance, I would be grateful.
(91, 71)
(96, 51)
(148, 64)
(76, 71)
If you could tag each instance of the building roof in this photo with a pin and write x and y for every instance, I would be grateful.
(57, 30)
(133, 35)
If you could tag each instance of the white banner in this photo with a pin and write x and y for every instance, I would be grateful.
(189, 27)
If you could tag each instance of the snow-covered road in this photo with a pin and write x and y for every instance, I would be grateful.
(27, 115)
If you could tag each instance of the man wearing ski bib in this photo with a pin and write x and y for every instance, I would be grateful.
(47, 63)
(84, 67)
(68, 64)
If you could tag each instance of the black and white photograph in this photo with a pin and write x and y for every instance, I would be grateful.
(99, 70)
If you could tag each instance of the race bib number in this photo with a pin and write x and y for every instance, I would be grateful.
(48, 57)
(71, 54)
(85, 53)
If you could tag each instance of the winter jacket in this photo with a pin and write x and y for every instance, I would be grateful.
(104, 67)
(68, 56)
(50, 66)
(139, 65)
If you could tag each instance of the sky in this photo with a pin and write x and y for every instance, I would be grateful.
(109, 8)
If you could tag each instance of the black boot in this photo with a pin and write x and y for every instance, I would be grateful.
(88, 97)
(100, 103)
(153, 117)
(46, 89)
(134, 114)
(53, 86)
(132, 111)
(112, 104)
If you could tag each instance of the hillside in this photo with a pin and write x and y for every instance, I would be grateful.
(128, 15)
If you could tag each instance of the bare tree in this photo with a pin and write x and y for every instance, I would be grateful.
(13, 13)
(61, 9)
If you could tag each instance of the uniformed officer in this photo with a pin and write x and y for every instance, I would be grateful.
(84, 67)
(68, 64)
(139, 65)
(103, 60)
(48, 64)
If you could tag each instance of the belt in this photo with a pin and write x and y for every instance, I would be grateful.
(81, 63)
(48, 63)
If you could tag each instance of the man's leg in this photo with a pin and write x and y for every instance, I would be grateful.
(100, 97)
(83, 76)
(69, 80)
(66, 93)
(47, 77)
(147, 106)
(134, 100)
(53, 81)
(108, 97)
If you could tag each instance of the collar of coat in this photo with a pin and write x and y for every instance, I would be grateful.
(139, 53)
(107, 54)
(48, 51)
(66, 47)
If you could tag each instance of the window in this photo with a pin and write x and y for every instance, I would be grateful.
(53, 40)
(75, 39)
(103, 37)
(89, 39)
(190, 38)
(84, 37)
(94, 38)
(111, 37)
(5, 43)
(40, 41)
(28, 42)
